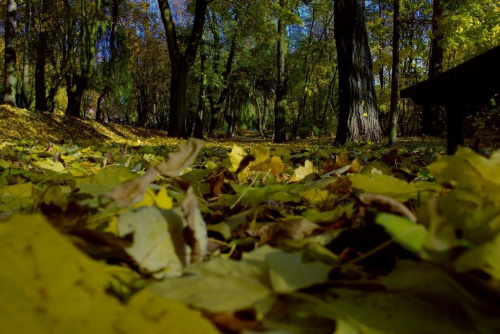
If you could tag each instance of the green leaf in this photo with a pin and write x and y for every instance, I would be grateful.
(155, 248)
(414, 298)
(49, 164)
(220, 286)
(384, 184)
(485, 258)
(408, 234)
(229, 286)
(287, 271)
(15, 197)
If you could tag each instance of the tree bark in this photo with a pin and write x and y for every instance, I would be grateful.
(25, 103)
(281, 84)
(395, 75)
(41, 101)
(100, 101)
(358, 112)
(200, 111)
(433, 116)
(75, 96)
(216, 104)
(78, 83)
(9, 93)
(261, 117)
(181, 63)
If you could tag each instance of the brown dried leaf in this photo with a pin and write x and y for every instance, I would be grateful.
(392, 158)
(216, 181)
(196, 230)
(110, 157)
(182, 158)
(230, 323)
(355, 165)
(342, 160)
(244, 163)
(131, 192)
(295, 229)
(387, 204)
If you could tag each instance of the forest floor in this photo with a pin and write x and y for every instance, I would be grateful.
(18, 124)
(154, 234)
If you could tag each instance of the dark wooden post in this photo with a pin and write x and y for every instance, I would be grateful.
(455, 121)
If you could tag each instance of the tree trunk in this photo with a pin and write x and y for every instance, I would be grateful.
(198, 122)
(78, 83)
(358, 113)
(216, 105)
(100, 101)
(9, 93)
(181, 63)
(281, 85)
(395, 75)
(260, 117)
(177, 115)
(75, 97)
(52, 98)
(41, 103)
(433, 116)
(25, 103)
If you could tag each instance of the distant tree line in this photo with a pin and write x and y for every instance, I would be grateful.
(284, 68)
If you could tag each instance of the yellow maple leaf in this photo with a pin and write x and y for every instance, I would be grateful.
(305, 170)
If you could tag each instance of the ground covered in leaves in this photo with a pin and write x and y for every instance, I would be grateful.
(138, 234)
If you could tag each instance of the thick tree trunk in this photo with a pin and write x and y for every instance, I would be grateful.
(41, 102)
(25, 101)
(181, 63)
(75, 97)
(9, 93)
(433, 118)
(358, 113)
(177, 115)
(52, 98)
(200, 112)
(395, 76)
(216, 105)
(281, 86)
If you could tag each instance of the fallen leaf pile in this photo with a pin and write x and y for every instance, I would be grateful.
(207, 237)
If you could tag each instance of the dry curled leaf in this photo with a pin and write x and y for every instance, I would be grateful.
(196, 231)
(387, 204)
(179, 160)
(131, 192)
(295, 229)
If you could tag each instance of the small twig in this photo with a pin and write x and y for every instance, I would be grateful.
(246, 190)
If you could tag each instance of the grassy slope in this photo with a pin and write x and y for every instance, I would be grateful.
(24, 124)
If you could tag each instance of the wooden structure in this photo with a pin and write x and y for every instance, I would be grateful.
(473, 82)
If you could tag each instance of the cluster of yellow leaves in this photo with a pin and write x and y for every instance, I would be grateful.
(50, 286)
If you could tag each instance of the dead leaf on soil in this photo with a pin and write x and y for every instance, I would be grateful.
(182, 158)
(295, 229)
(387, 204)
(196, 231)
